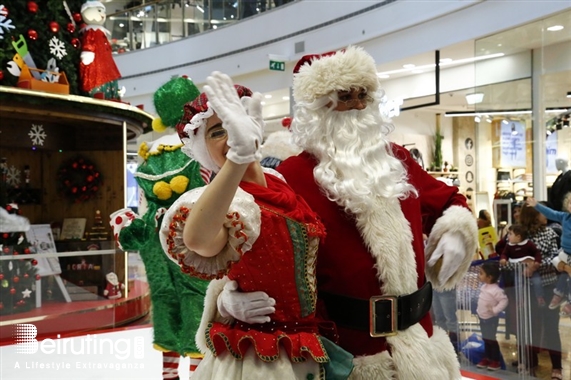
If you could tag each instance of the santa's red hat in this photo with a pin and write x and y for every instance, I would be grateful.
(316, 76)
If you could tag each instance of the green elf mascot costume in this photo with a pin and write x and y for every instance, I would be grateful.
(166, 173)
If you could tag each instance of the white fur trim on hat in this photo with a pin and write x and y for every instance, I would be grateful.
(92, 4)
(346, 69)
(195, 143)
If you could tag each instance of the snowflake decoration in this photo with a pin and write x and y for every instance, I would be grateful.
(13, 176)
(37, 134)
(57, 48)
(5, 22)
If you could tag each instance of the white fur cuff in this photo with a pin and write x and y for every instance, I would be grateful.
(455, 219)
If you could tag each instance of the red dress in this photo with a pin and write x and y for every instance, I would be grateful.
(281, 263)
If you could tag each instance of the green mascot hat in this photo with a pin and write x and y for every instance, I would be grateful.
(169, 101)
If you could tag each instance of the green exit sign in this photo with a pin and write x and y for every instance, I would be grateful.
(277, 65)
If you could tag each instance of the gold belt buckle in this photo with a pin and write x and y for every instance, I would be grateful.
(373, 316)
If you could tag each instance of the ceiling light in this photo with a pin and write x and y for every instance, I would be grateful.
(263, 103)
(200, 9)
(477, 119)
(505, 122)
(555, 28)
(285, 97)
(408, 66)
(268, 96)
(446, 60)
(475, 98)
(500, 112)
(488, 119)
(383, 76)
(447, 63)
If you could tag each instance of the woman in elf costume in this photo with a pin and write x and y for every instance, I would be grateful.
(177, 299)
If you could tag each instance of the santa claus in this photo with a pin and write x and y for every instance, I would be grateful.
(374, 274)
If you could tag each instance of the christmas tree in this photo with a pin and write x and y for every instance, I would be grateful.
(17, 277)
(48, 31)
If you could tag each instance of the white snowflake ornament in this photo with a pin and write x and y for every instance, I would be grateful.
(13, 176)
(57, 48)
(5, 22)
(37, 134)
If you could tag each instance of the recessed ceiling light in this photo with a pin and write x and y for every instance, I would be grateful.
(499, 45)
(408, 66)
(475, 98)
(268, 96)
(263, 103)
(555, 28)
(446, 60)
(383, 76)
(285, 97)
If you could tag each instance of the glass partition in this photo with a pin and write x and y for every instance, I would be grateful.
(522, 127)
(160, 22)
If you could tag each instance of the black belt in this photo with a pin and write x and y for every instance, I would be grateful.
(380, 315)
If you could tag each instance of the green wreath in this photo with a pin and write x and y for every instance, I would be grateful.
(78, 180)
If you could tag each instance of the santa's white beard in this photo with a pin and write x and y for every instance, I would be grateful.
(356, 165)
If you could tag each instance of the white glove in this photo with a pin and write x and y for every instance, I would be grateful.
(244, 123)
(251, 307)
(555, 261)
(452, 250)
(87, 57)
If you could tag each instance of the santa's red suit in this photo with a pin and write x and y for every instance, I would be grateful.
(103, 68)
(113, 292)
(364, 255)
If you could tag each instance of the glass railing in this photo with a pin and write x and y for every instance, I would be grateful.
(164, 21)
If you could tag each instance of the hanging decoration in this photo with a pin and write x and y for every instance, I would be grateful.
(78, 180)
(75, 42)
(32, 7)
(57, 48)
(37, 134)
(54, 26)
(5, 22)
(32, 34)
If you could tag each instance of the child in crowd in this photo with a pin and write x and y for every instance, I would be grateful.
(491, 302)
(519, 249)
(562, 294)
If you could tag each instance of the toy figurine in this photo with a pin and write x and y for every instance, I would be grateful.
(113, 289)
(98, 73)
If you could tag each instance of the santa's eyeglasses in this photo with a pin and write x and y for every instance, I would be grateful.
(348, 100)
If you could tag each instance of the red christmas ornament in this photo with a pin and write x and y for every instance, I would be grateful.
(38, 277)
(70, 27)
(54, 26)
(1, 74)
(6, 250)
(6, 13)
(1, 276)
(26, 251)
(32, 7)
(16, 279)
(77, 17)
(12, 291)
(34, 262)
(5, 236)
(286, 122)
(32, 34)
(75, 42)
(21, 303)
(8, 208)
(26, 275)
(1, 306)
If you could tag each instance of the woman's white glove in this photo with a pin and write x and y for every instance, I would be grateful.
(243, 121)
(251, 307)
(451, 248)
